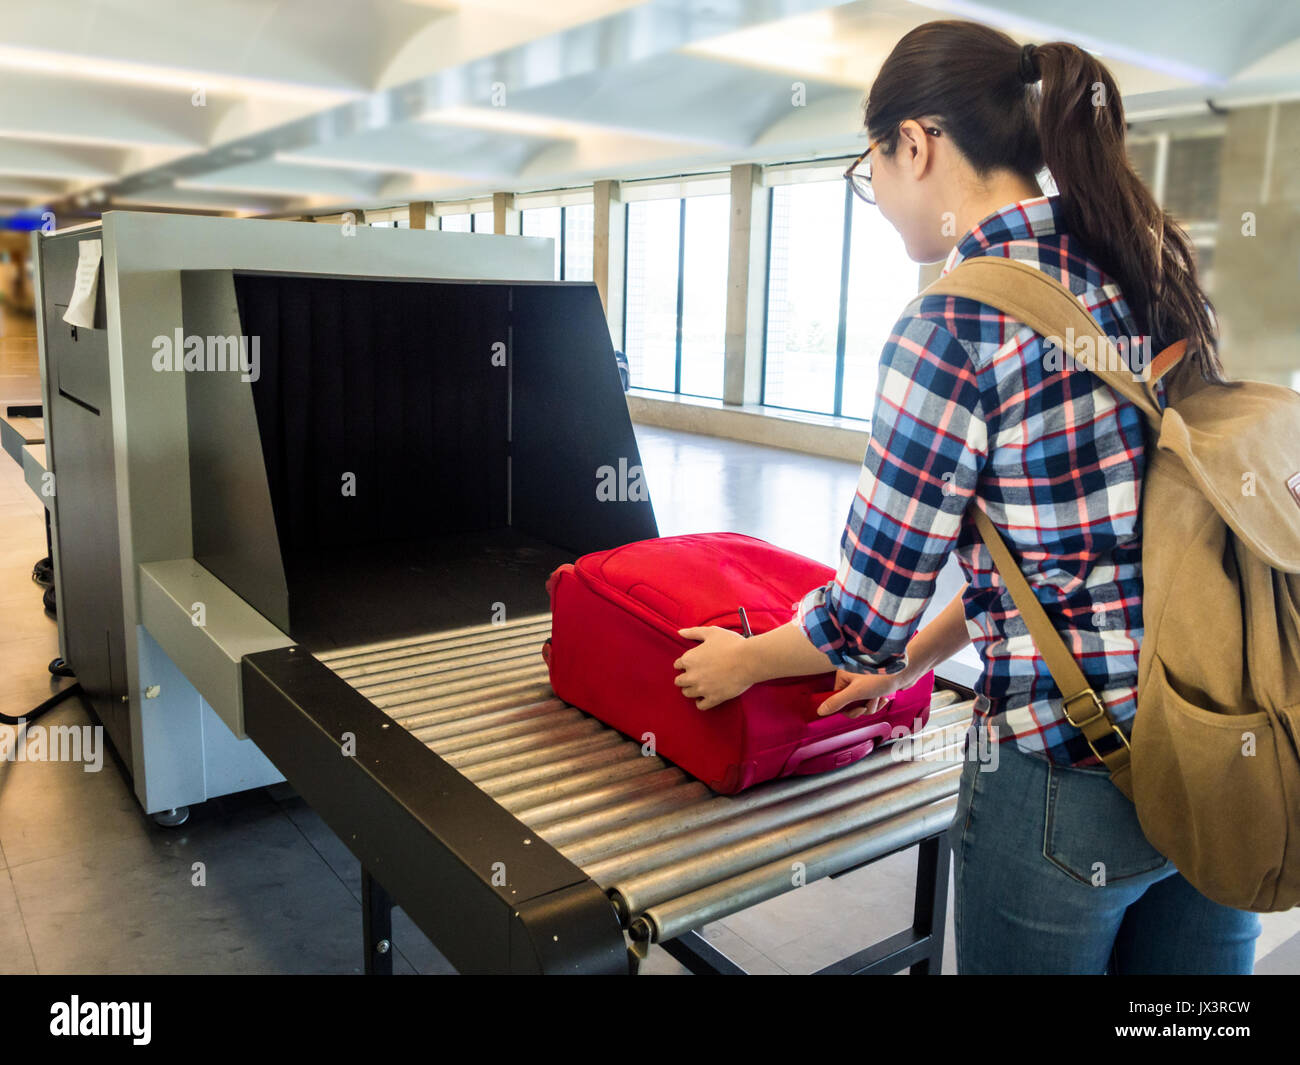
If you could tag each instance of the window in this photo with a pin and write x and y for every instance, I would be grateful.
(650, 312)
(675, 314)
(1191, 191)
(572, 228)
(483, 222)
(545, 222)
(803, 289)
(579, 232)
(1143, 155)
(838, 276)
(388, 218)
(454, 223)
(704, 294)
(882, 281)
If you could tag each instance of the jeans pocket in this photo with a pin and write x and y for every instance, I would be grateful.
(1091, 830)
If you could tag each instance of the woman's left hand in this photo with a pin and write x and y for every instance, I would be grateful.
(716, 669)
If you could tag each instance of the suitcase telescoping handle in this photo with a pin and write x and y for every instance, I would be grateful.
(745, 630)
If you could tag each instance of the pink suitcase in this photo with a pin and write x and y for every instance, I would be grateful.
(615, 616)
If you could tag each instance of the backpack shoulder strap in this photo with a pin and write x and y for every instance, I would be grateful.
(1083, 707)
(1038, 300)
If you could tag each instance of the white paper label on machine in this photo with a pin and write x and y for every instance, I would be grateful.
(81, 307)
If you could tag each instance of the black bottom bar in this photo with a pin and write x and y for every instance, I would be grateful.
(701, 957)
(376, 926)
(919, 949)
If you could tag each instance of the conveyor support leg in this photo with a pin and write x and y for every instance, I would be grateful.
(377, 926)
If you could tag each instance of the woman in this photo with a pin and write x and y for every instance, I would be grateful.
(1052, 871)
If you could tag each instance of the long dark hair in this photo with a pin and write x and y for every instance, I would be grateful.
(979, 85)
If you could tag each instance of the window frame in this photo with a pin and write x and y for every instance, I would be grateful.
(563, 208)
(841, 331)
(681, 285)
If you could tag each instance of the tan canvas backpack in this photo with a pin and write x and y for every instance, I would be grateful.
(1213, 760)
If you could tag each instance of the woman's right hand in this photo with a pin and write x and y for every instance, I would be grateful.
(875, 688)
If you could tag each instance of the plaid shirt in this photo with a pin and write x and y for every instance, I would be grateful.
(970, 412)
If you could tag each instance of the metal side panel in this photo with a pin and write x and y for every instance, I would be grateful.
(576, 478)
(187, 753)
(205, 629)
(18, 431)
(233, 524)
(42, 363)
(491, 894)
(78, 413)
(34, 469)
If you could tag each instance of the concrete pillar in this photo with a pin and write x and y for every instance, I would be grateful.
(421, 215)
(505, 218)
(608, 253)
(1252, 275)
(742, 374)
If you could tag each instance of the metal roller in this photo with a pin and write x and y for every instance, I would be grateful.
(477, 722)
(488, 663)
(668, 881)
(559, 825)
(656, 786)
(547, 723)
(479, 709)
(465, 683)
(460, 636)
(437, 648)
(943, 697)
(478, 768)
(675, 847)
(416, 656)
(948, 727)
(534, 743)
(578, 783)
(447, 693)
(522, 694)
(551, 768)
(381, 660)
(415, 674)
(670, 919)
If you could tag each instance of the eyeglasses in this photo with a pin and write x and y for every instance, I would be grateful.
(860, 179)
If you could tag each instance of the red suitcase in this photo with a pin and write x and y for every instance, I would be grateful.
(615, 616)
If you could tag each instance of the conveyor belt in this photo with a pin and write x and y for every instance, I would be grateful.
(671, 854)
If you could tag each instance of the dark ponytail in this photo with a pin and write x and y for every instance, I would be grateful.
(978, 83)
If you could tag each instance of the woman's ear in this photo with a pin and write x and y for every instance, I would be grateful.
(914, 148)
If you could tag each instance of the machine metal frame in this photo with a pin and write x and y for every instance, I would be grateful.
(171, 693)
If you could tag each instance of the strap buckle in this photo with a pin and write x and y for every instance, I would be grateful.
(1092, 696)
(1087, 693)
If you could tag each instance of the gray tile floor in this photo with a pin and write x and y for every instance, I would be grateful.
(256, 883)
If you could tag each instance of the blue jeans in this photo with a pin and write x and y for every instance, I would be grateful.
(1052, 874)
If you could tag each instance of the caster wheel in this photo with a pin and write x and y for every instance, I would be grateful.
(172, 818)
